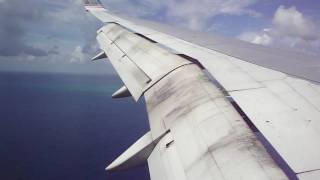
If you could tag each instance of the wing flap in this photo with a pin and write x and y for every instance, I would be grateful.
(139, 62)
(150, 58)
(134, 78)
(208, 139)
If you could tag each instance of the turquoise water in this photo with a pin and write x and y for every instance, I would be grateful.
(57, 127)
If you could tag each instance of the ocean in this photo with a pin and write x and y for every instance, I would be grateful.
(66, 127)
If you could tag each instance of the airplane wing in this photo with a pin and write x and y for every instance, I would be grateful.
(218, 108)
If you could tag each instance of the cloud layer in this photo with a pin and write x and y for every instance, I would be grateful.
(14, 19)
(49, 30)
(46, 32)
(290, 28)
(291, 22)
(56, 34)
(194, 14)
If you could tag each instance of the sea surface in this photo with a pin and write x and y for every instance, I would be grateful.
(66, 127)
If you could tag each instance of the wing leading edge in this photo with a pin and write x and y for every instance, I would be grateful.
(208, 138)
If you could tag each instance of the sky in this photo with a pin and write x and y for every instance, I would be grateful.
(59, 36)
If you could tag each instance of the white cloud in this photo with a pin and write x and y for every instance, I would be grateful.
(290, 28)
(196, 14)
(77, 56)
(262, 38)
(71, 16)
(69, 11)
(291, 22)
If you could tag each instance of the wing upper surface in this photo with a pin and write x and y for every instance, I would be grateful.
(270, 86)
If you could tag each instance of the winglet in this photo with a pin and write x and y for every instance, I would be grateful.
(93, 5)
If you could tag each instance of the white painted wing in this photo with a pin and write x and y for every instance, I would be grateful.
(208, 139)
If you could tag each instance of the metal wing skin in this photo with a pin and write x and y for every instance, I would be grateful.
(218, 108)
